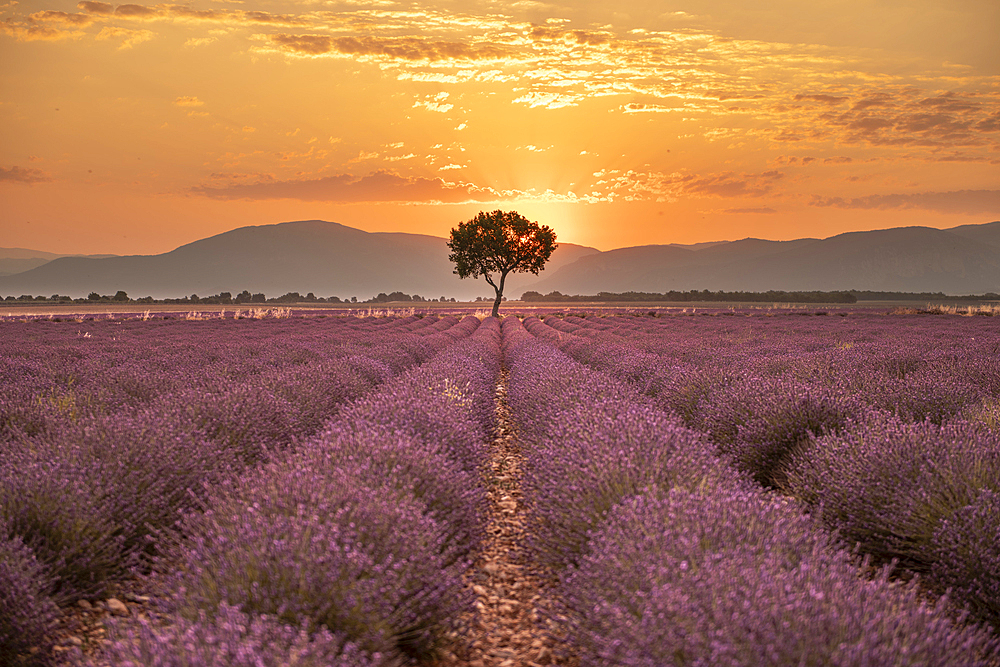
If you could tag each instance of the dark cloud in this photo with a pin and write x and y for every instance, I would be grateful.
(824, 99)
(138, 11)
(941, 121)
(404, 48)
(103, 8)
(276, 19)
(874, 100)
(33, 30)
(973, 202)
(990, 124)
(729, 184)
(147, 12)
(378, 186)
(18, 175)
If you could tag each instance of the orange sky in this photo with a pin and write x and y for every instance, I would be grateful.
(135, 128)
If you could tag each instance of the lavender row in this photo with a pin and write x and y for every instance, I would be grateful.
(734, 577)
(52, 370)
(925, 495)
(919, 491)
(85, 494)
(593, 442)
(349, 549)
(668, 557)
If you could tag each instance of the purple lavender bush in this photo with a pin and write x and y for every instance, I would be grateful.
(966, 550)
(27, 614)
(446, 403)
(593, 442)
(730, 577)
(920, 493)
(88, 494)
(231, 638)
(52, 505)
(887, 484)
(380, 457)
(760, 422)
(311, 545)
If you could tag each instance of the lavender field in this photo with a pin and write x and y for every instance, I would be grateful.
(720, 488)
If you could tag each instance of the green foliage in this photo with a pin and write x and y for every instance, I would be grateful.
(499, 243)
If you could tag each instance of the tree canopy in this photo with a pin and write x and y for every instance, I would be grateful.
(495, 244)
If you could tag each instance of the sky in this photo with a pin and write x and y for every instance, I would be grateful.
(137, 128)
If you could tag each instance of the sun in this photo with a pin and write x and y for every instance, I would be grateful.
(560, 216)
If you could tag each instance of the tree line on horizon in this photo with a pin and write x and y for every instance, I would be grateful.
(840, 296)
(227, 298)
(247, 298)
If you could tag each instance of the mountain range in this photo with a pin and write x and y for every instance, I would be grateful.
(17, 260)
(330, 259)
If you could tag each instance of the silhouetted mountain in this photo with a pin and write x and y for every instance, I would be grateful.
(911, 259)
(17, 260)
(330, 259)
(326, 258)
(988, 233)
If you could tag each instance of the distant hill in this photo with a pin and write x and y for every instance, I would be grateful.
(326, 258)
(962, 260)
(17, 260)
(988, 233)
(330, 259)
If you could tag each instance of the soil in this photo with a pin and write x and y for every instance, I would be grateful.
(509, 626)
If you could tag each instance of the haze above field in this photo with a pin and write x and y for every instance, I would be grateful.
(330, 259)
(138, 128)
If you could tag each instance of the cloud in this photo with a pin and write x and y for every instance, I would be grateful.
(587, 37)
(18, 175)
(548, 100)
(637, 107)
(81, 20)
(378, 186)
(764, 210)
(129, 37)
(138, 11)
(200, 41)
(188, 101)
(728, 184)
(36, 31)
(971, 202)
(397, 48)
(102, 8)
(908, 118)
(823, 99)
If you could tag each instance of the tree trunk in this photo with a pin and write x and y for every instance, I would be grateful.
(499, 290)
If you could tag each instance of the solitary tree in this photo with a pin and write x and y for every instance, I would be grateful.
(498, 243)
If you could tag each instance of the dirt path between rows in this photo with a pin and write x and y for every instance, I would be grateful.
(507, 628)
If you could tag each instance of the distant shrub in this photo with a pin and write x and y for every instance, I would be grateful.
(925, 395)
